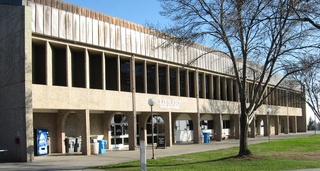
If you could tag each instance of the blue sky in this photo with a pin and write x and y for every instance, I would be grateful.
(136, 11)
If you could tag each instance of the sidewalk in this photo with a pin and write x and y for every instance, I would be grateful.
(82, 162)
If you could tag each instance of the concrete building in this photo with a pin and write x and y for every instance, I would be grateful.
(80, 73)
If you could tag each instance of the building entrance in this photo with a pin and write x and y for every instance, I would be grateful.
(119, 132)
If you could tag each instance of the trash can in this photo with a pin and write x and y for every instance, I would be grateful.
(70, 144)
(206, 137)
(102, 146)
(94, 146)
(77, 147)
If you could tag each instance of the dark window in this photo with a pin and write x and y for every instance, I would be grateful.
(139, 69)
(59, 65)
(208, 87)
(151, 78)
(173, 81)
(226, 124)
(200, 83)
(39, 63)
(95, 67)
(182, 83)
(111, 73)
(215, 91)
(162, 80)
(125, 74)
(191, 85)
(78, 68)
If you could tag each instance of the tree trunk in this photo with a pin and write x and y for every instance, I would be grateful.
(244, 150)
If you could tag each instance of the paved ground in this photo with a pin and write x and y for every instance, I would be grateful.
(81, 162)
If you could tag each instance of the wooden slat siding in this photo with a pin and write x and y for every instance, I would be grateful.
(89, 30)
(95, 32)
(112, 29)
(76, 27)
(138, 37)
(62, 24)
(128, 40)
(69, 21)
(133, 41)
(101, 33)
(107, 38)
(81, 24)
(33, 17)
(39, 18)
(151, 44)
(117, 37)
(123, 39)
(47, 20)
(55, 22)
(83, 29)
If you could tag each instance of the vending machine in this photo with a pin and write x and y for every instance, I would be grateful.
(41, 141)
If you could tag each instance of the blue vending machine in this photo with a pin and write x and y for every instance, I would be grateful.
(40, 142)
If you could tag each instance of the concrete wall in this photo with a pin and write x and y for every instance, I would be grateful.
(16, 123)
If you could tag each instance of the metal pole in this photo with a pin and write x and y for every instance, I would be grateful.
(153, 157)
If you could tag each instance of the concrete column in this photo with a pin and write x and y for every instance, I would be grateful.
(168, 79)
(84, 117)
(157, 77)
(103, 72)
(235, 126)
(106, 128)
(253, 128)
(174, 119)
(132, 130)
(61, 119)
(168, 128)
(145, 78)
(87, 69)
(218, 127)
(196, 128)
(265, 125)
(119, 73)
(48, 64)
(287, 125)
(294, 122)
(277, 126)
(69, 67)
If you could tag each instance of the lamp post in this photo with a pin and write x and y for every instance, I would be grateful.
(151, 103)
(268, 123)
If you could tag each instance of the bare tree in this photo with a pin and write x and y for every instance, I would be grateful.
(256, 35)
(309, 78)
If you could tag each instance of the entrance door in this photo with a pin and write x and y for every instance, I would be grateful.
(119, 132)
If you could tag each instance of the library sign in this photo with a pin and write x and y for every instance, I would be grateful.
(169, 104)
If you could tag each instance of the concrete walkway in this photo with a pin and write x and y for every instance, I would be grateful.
(82, 162)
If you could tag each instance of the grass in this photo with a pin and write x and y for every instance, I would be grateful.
(290, 154)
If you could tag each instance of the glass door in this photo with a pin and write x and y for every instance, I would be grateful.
(119, 132)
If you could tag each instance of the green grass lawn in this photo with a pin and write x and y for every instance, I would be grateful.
(290, 154)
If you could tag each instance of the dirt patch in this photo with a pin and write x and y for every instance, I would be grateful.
(295, 155)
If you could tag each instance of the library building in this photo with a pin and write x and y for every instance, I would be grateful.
(71, 77)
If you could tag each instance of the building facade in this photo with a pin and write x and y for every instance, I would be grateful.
(80, 73)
